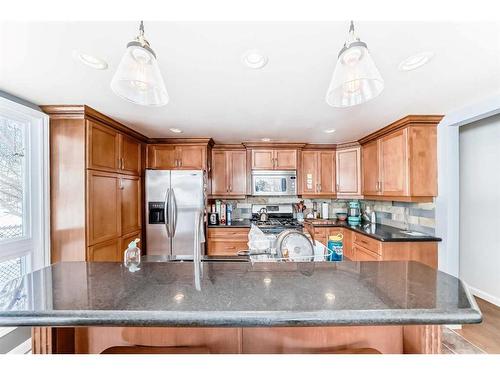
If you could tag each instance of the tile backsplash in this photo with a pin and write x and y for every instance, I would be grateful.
(409, 216)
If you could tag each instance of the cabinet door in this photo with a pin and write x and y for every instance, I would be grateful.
(394, 164)
(309, 172)
(130, 188)
(130, 155)
(348, 167)
(103, 206)
(237, 172)
(191, 157)
(262, 159)
(162, 157)
(102, 147)
(219, 173)
(108, 251)
(285, 159)
(326, 172)
(370, 168)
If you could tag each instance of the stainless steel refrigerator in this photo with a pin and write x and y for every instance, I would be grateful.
(174, 201)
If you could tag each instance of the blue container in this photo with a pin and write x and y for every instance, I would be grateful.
(336, 247)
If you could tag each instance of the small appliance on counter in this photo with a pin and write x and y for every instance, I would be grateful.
(353, 213)
(325, 210)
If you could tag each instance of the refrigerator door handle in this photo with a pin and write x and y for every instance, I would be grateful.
(174, 213)
(166, 209)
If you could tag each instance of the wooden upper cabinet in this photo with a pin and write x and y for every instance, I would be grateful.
(237, 172)
(130, 155)
(318, 173)
(191, 157)
(285, 159)
(229, 172)
(326, 172)
(309, 172)
(103, 206)
(422, 151)
(177, 157)
(394, 163)
(401, 163)
(348, 171)
(102, 147)
(130, 190)
(262, 159)
(370, 167)
(162, 157)
(219, 173)
(109, 150)
(278, 159)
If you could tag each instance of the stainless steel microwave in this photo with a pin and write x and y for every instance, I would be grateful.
(274, 183)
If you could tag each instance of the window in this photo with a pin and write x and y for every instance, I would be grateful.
(23, 190)
(24, 209)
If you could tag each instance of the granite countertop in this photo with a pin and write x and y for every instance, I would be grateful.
(379, 232)
(236, 294)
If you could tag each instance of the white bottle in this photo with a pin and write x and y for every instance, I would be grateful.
(132, 256)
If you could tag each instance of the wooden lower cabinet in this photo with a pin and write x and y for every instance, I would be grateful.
(423, 339)
(108, 251)
(130, 203)
(112, 250)
(227, 241)
(358, 247)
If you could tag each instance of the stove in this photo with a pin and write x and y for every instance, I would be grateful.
(280, 218)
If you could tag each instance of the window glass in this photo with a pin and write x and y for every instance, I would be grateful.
(12, 179)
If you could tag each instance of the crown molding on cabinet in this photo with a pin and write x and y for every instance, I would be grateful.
(320, 146)
(273, 145)
(431, 120)
(195, 141)
(343, 146)
(237, 146)
(84, 111)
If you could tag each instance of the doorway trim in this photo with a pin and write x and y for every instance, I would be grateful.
(448, 199)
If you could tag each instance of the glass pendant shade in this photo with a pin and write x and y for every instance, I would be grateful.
(138, 78)
(355, 79)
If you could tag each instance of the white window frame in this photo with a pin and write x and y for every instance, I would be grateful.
(35, 243)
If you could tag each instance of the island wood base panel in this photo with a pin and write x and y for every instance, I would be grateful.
(418, 339)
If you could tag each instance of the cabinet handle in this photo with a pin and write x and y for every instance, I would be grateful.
(337, 187)
(121, 184)
(230, 188)
(319, 187)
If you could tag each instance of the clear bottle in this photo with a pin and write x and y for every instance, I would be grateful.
(132, 256)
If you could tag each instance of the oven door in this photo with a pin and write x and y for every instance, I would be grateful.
(274, 183)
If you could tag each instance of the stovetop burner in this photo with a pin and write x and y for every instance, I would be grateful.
(277, 222)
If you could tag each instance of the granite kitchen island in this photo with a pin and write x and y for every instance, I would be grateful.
(238, 307)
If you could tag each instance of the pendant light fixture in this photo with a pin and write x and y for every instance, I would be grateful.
(138, 78)
(356, 79)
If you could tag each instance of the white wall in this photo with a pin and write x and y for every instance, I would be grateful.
(480, 207)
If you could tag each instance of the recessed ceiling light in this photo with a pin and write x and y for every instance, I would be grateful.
(266, 139)
(175, 130)
(329, 131)
(254, 59)
(415, 61)
(91, 61)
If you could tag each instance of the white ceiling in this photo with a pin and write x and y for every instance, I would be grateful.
(213, 94)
